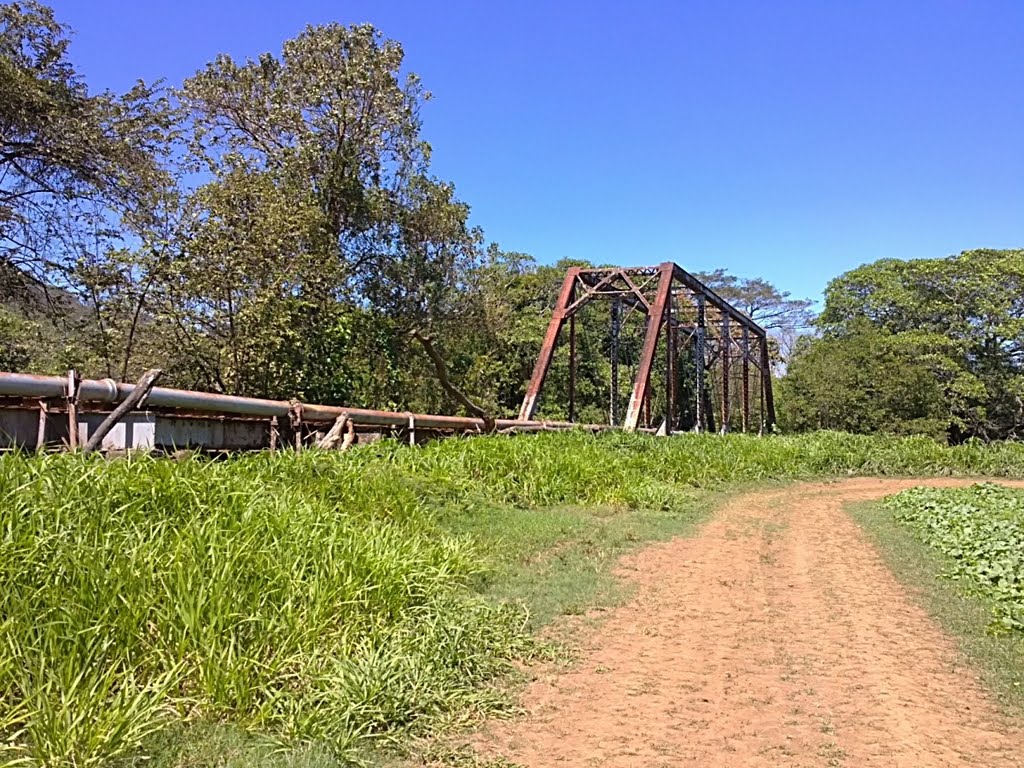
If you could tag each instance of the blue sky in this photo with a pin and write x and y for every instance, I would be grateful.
(786, 140)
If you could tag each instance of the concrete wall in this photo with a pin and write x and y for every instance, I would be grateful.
(139, 430)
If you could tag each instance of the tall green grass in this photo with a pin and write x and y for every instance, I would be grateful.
(275, 592)
(321, 597)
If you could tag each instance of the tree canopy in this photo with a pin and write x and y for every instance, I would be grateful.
(69, 160)
(955, 323)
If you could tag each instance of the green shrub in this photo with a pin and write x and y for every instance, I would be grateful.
(981, 530)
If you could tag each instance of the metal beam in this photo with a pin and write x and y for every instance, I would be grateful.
(547, 349)
(670, 370)
(698, 361)
(745, 341)
(726, 338)
(643, 374)
(613, 359)
(715, 300)
(766, 386)
(572, 368)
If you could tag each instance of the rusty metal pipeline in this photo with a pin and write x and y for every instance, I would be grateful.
(110, 391)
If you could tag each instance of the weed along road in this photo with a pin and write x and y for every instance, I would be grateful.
(776, 636)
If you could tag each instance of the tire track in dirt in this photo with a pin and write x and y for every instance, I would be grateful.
(775, 637)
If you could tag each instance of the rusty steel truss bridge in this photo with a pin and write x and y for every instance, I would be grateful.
(683, 317)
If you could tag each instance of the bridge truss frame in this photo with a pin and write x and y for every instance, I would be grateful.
(684, 312)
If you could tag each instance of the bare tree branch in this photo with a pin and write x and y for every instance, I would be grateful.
(128, 404)
(442, 376)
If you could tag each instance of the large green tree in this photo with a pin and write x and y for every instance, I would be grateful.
(963, 318)
(866, 381)
(69, 160)
(81, 174)
(329, 238)
(334, 115)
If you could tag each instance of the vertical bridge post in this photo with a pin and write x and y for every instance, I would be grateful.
(766, 386)
(746, 379)
(670, 367)
(724, 353)
(572, 368)
(613, 360)
(698, 363)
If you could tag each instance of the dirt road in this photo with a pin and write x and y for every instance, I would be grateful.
(775, 637)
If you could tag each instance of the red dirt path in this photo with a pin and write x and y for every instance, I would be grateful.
(775, 637)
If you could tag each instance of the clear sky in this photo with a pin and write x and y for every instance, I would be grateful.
(781, 139)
